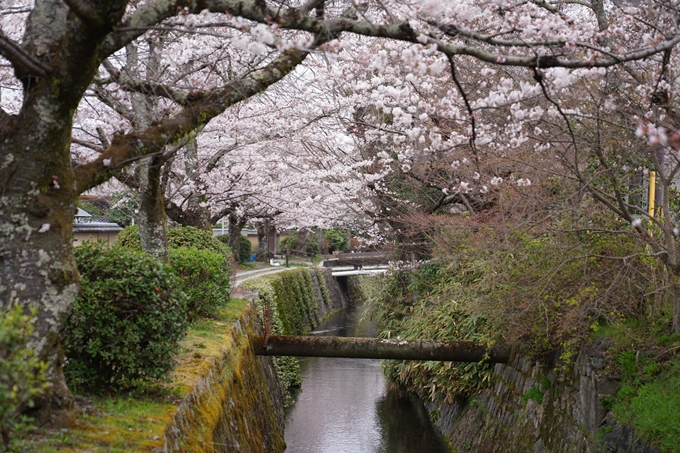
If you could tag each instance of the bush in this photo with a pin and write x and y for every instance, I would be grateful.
(245, 248)
(290, 243)
(337, 240)
(22, 375)
(128, 238)
(126, 321)
(205, 278)
(185, 236)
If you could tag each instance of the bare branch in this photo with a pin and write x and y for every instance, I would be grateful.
(129, 83)
(23, 63)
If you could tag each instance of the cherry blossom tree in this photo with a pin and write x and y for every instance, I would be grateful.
(55, 51)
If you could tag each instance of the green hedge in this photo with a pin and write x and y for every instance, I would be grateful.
(184, 236)
(290, 243)
(205, 278)
(244, 246)
(291, 299)
(126, 321)
(22, 374)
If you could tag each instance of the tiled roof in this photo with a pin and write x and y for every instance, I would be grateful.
(92, 227)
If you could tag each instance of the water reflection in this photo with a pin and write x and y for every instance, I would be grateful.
(344, 406)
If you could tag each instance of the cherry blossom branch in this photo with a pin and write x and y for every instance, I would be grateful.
(125, 148)
(291, 18)
(23, 63)
(473, 135)
(129, 83)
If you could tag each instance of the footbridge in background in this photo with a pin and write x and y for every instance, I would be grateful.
(363, 263)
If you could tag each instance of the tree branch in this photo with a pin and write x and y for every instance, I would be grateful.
(84, 10)
(129, 83)
(24, 64)
(152, 13)
(126, 148)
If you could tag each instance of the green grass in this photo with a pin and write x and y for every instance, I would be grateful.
(116, 424)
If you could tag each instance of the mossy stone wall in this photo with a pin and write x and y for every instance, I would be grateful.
(236, 406)
(539, 408)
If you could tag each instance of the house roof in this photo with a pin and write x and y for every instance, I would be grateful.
(96, 227)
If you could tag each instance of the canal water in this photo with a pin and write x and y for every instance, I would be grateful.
(345, 405)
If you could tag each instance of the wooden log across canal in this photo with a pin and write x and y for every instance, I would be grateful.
(380, 348)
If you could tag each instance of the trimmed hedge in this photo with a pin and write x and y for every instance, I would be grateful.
(185, 236)
(126, 321)
(205, 278)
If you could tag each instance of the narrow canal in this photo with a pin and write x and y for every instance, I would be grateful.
(345, 405)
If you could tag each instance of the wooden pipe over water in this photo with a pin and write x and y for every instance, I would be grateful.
(380, 348)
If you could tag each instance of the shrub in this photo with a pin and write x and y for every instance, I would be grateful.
(290, 243)
(22, 375)
(205, 278)
(337, 240)
(185, 236)
(245, 248)
(126, 321)
(128, 238)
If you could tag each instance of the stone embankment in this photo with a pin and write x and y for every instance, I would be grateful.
(237, 404)
(540, 408)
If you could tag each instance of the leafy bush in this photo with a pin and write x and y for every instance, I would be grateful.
(128, 238)
(22, 375)
(245, 248)
(126, 321)
(337, 240)
(205, 278)
(413, 304)
(185, 236)
(289, 244)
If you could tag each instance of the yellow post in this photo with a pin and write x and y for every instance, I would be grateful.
(652, 191)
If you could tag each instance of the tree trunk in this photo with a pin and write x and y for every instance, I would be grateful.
(303, 238)
(381, 348)
(262, 242)
(151, 217)
(38, 187)
(321, 239)
(235, 227)
(196, 213)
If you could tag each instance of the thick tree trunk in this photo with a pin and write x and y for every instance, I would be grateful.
(151, 217)
(37, 183)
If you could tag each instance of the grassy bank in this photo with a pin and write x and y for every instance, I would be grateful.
(136, 421)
